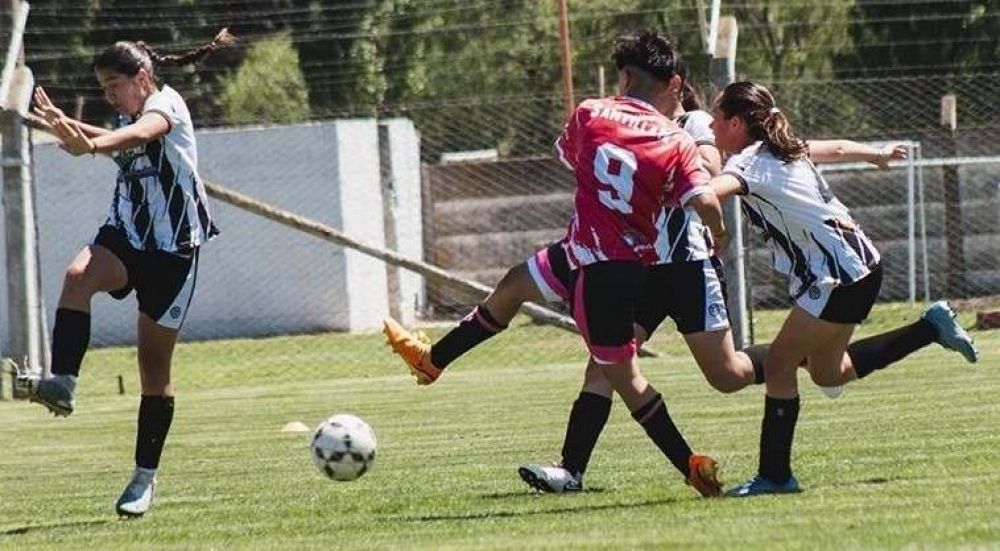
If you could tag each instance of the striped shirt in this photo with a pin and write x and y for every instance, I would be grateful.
(682, 237)
(159, 198)
(813, 237)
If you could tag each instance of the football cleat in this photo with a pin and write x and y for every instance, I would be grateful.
(949, 333)
(550, 478)
(704, 476)
(414, 349)
(761, 486)
(138, 494)
(56, 394)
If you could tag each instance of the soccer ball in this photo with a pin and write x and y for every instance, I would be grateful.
(343, 447)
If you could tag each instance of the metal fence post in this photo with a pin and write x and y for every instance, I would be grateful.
(723, 72)
(24, 331)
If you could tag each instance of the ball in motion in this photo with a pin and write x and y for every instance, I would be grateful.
(343, 447)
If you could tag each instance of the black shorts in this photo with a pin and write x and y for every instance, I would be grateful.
(852, 303)
(693, 294)
(163, 282)
(603, 300)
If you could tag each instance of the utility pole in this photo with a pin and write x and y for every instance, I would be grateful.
(566, 56)
(723, 72)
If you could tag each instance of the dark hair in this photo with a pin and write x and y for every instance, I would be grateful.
(651, 53)
(755, 105)
(128, 57)
(690, 98)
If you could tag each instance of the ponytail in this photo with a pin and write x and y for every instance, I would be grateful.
(191, 57)
(755, 105)
(128, 58)
(690, 98)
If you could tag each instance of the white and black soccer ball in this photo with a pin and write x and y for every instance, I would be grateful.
(343, 447)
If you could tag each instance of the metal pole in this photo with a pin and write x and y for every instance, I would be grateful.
(723, 72)
(566, 56)
(911, 224)
(24, 331)
(918, 157)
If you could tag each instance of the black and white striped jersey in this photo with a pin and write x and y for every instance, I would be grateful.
(812, 235)
(159, 198)
(682, 237)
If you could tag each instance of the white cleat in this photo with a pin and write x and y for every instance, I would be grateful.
(138, 495)
(550, 478)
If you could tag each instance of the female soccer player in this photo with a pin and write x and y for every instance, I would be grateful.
(681, 239)
(833, 269)
(158, 221)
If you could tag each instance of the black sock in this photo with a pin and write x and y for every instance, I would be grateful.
(660, 427)
(586, 421)
(155, 415)
(758, 356)
(777, 431)
(70, 339)
(880, 351)
(478, 326)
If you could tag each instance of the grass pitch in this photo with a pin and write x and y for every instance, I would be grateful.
(908, 458)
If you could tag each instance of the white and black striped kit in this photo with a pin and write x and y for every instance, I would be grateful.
(159, 198)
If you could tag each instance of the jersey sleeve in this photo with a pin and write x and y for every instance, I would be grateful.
(698, 124)
(741, 166)
(689, 177)
(164, 104)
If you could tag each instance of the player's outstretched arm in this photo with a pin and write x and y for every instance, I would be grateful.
(847, 151)
(710, 211)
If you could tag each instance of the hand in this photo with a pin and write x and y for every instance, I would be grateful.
(720, 240)
(45, 109)
(891, 152)
(73, 139)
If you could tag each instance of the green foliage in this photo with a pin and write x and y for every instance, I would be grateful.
(268, 88)
(904, 460)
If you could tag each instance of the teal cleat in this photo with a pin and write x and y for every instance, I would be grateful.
(949, 333)
(138, 494)
(56, 394)
(760, 486)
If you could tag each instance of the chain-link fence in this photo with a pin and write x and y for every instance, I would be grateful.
(482, 193)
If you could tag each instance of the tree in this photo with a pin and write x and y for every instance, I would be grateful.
(268, 87)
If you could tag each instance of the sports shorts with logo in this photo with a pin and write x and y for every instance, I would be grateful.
(690, 293)
(163, 282)
(849, 304)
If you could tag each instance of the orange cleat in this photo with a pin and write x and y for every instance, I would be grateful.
(415, 349)
(704, 476)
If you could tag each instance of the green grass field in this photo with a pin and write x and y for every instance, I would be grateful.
(907, 459)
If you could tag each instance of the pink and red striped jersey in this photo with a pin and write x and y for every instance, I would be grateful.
(629, 161)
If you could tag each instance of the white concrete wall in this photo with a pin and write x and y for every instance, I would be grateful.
(257, 278)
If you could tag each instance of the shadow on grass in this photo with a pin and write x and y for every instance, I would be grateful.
(472, 515)
(522, 493)
(21, 530)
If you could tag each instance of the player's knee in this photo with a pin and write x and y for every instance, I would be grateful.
(726, 383)
(824, 377)
(77, 281)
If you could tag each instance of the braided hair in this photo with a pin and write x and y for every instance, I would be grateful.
(127, 58)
